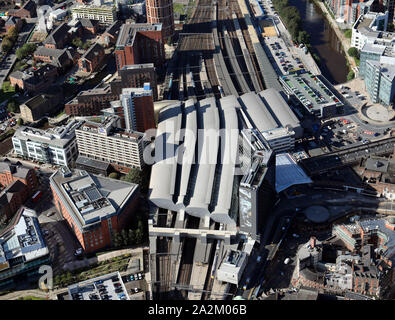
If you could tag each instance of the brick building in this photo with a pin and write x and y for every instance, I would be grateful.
(110, 35)
(13, 22)
(89, 27)
(11, 199)
(59, 38)
(95, 207)
(35, 81)
(134, 76)
(90, 102)
(28, 10)
(42, 105)
(60, 58)
(11, 172)
(92, 58)
(140, 43)
(161, 11)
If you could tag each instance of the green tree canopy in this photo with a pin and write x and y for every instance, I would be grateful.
(353, 52)
(303, 37)
(113, 175)
(348, 33)
(139, 177)
(12, 33)
(350, 75)
(13, 106)
(26, 50)
(6, 45)
(77, 42)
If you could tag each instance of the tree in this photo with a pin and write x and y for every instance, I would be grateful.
(303, 37)
(350, 75)
(353, 52)
(13, 106)
(26, 50)
(12, 33)
(139, 177)
(6, 45)
(348, 33)
(86, 45)
(77, 42)
(20, 122)
(113, 175)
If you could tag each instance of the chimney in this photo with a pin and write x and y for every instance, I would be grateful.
(312, 242)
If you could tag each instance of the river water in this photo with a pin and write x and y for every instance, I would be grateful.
(323, 40)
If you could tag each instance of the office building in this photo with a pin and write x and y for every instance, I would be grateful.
(369, 28)
(106, 13)
(22, 250)
(138, 108)
(94, 207)
(92, 289)
(380, 82)
(140, 43)
(161, 11)
(107, 142)
(56, 145)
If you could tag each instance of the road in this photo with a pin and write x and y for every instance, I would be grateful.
(286, 207)
(9, 60)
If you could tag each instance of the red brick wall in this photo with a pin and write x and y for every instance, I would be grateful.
(118, 222)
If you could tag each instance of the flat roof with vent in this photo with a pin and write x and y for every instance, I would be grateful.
(91, 198)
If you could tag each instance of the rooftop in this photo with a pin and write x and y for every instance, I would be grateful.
(312, 93)
(91, 198)
(16, 168)
(106, 287)
(288, 172)
(128, 32)
(59, 136)
(22, 241)
(109, 128)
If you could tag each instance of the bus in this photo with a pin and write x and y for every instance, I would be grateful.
(37, 196)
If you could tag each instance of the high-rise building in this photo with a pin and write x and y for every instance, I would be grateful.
(161, 11)
(138, 108)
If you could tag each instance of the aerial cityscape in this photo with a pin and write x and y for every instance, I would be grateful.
(197, 150)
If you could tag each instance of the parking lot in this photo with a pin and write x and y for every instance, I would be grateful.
(280, 57)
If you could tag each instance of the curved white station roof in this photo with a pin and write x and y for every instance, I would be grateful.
(279, 107)
(188, 149)
(229, 150)
(208, 143)
(166, 145)
(258, 113)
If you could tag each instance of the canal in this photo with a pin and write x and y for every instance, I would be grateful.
(323, 40)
